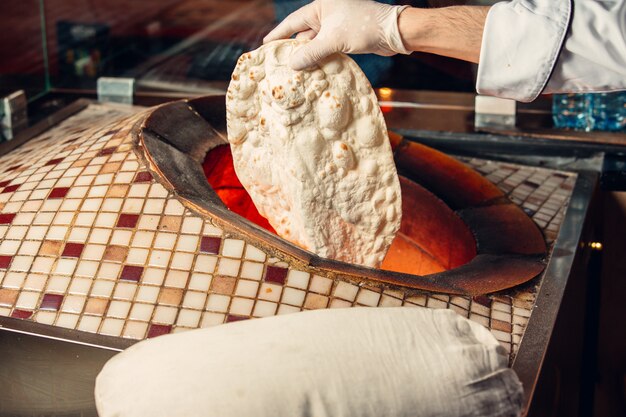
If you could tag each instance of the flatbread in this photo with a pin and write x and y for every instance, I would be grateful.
(311, 148)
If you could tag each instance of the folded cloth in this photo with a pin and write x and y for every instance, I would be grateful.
(349, 362)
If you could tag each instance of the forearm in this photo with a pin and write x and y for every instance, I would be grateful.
(454, 32)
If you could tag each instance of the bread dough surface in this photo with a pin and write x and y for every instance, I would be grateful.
(311, 148)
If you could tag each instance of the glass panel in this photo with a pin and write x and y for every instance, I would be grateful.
(22, 49)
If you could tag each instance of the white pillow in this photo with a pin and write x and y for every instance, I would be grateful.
(349, 362)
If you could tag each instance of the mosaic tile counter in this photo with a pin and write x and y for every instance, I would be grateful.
(91, 241)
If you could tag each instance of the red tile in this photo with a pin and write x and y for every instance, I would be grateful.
(276, 274)
(51, 302)
(127, 220)
(482, 300)
(53, 161)
(131, 273)
(21, 314)
(58, 192)
(11, 188)
(73, 250)
(210, 244)
(5, 183)
(13, 168)
(5, 261)
(233, 317)
(107, 151)
(158, 330)
(7, 218)
(143, 176)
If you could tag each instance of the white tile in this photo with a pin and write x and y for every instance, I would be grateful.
(229, 267)
(218, 302)
(246, 288)
(57, 284)
(147, 293)
(287, 309)
(141, 311)
(194, 299)
(133, 205)
(85, 219)
(254, 254)
(158, 191)
(80, 286)
(73, 303)
(293, 296)
(212, 319)
(298, 279)
(27, 300)
(192, 225)
(252, 270)
(111, 327)
(67, 321)
(112, 204)
(200, 282)
(188, 318)
(321, 285)
(346, 291)
(148, 222)
(210, 230)
(205, 264)
(45, 317)
(93, 204)
(118, 309)
(232, 248)
(93, 252)
(164, 315)
(135, 330)
(65, 266)
(16, 232)
(176, 279)
(102, 288)
(109, 270)
(367, 297)
(87, 269)
(35, 282)
(174, 207)
(154, 276)
(100, 236)
(182, 260)
(106, 220)
(121, 237)
(270, 292)
(154, 206)
(79, 234)
(89, 324)
(125, 290)
(338, 303)
(165, 240)
(264, 309)
(159, 258)
(137, 256)
(142, 239)
(435, 303)
(241, 306)
(187, 243)
(9, 247)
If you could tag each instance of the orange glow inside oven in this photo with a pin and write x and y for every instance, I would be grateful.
(430, 239)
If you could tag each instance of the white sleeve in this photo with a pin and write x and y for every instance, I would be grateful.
(530, 47)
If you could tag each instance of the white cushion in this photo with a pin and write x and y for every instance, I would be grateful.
(348, 362)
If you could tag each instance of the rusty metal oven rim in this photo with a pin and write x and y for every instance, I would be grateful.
(536, 338)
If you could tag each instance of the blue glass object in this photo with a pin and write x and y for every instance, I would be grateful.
(572, 111)
(608, 111)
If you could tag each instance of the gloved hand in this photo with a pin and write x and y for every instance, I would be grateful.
(350, 26)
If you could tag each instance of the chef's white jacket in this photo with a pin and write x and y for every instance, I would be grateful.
(531, 47)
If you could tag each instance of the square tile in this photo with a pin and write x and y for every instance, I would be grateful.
(156, 330)
(210, 244)
(115, 253)
(127, 220)
(165, 314)
(60, 192)
(8, 297)
(277, 275)
(233, 248)
(73, 250)
(170, 224)
(141, 312)
(228, 267)
(170, 296)
(131, 273)
(51, 302)
(315, 301)
(223, 285)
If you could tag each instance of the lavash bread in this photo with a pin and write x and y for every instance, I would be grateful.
(311, 148)
(354, 362)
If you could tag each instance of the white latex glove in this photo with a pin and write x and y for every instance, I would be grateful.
(350, 26)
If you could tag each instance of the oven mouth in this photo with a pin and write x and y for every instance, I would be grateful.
(459, 233)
